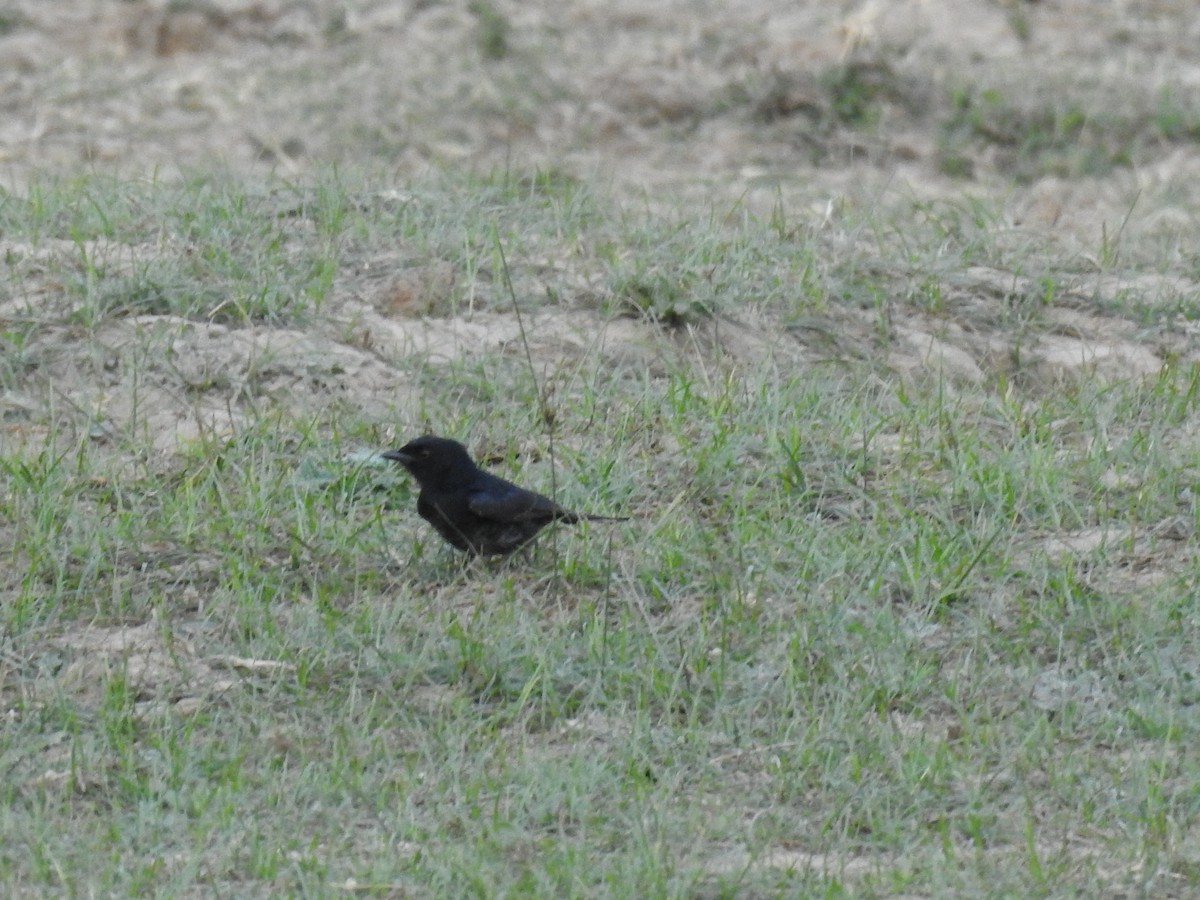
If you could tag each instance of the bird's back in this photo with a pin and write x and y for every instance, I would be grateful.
(488, 515)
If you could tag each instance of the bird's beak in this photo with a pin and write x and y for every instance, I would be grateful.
(397, 456)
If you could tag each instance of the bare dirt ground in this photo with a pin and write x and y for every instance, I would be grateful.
(700, 97)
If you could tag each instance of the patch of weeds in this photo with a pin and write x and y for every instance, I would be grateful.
(965, 227)
(19, 357)
(493, 29)
(50, 549)
(850, 94)
(200, 250)
(1033, 140)
(76, 209)
(862, 287)
(1176, 119)
(536, 214)
(669, 298)
(543, 188)
(11, 21)
(856, 92)
(663, 287)
(344, 484)
(1018, 21)
(676, 273)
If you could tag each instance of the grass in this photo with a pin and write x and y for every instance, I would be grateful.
(864, 635)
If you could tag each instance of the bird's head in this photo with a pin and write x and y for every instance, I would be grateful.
(431, 459)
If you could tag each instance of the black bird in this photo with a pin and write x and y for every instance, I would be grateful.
(475, 510)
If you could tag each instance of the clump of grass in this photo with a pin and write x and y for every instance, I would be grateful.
(1175, 119)
(494, 28)
(205, 250)
(1033, 139)
(857, 90)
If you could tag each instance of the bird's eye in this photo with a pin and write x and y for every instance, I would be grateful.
(423, 453)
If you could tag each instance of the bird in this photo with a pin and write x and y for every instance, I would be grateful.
(474, 510)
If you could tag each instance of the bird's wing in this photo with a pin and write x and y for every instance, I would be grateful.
(504, 502)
